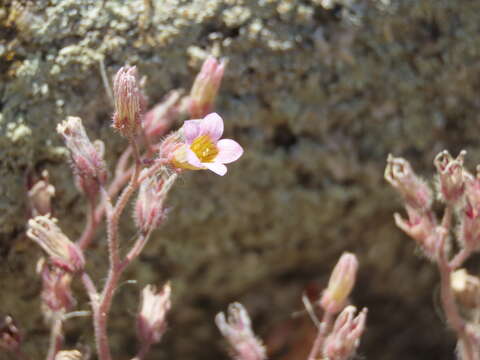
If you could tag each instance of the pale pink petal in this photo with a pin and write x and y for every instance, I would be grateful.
(191, 130)
(228, 151)
(193, 159)
(217, 168)
(212, 125)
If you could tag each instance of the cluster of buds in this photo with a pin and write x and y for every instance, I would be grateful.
(150, 206)
(340, 285)
(459, 189)
(129, 102)
(64, 254)
(152, 317)
(237, 329)
(421, 224)
(87, 157)
(205, 88)
(343, 341)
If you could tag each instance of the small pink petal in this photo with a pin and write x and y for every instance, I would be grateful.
(228, 151)
(191, 130)
(212, 125)
(217, 168)
(193, 159)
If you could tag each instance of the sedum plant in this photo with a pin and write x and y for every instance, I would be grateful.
(448, 240)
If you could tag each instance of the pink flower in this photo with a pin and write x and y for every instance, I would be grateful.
(203, 148)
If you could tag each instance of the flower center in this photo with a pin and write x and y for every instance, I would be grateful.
(204, 148)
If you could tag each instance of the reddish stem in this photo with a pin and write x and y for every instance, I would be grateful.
(323, 331)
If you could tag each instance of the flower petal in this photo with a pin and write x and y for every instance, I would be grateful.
(191, 129)
(212, 125)
(228, 151)
(216, 167)
(193, 160)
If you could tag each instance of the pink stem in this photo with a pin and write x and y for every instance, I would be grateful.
(460, 258)
(90, 228)
(325, 326)
(56, 337)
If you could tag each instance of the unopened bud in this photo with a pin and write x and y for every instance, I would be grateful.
(40, 196)
(451, 176)
(237, 329)
(69, 355)
(469, 229)
(87, 157)
(159, 119)
(415, 192)
(63, 253)
(10, 337)
(151, 320)
(344, 339)
(205, 87)
(150, 208)
(56, 291)
(340, 284)
(129, 102)
(466, 288)
(421, 227)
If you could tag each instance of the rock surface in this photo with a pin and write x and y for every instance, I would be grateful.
(318, 92)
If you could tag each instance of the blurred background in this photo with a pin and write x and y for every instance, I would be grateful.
(318, 92)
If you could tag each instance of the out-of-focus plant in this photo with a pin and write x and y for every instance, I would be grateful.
(447, 241)
(338, 332)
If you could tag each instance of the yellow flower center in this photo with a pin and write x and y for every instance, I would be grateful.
(204, 148)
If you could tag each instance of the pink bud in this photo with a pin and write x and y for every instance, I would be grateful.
(149, 208)
(129, 102)
(87, 157)
(344, 339)
(205, 87)
(63, 253)
(421, 227)
(451, 173)
(56, 291)
(151, 320)
(415, 192)
(237, 329)
(341, 283)
(40, 196)
(10, 337)
(159, 119)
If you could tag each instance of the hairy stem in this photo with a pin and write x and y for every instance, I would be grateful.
(56, 337)
(322, 333)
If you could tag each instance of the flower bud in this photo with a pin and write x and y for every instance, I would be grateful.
(344, 339)
(56, 291)
(10, 337)
(151, 320)
(415, 192)
(341, 283)
(149, 208)
(87, 157)
(205, 87)
(129, 102)
(40, 195)
(451, 176)
(238, 331)
(69, 355)
(158, 120)
(63, 253)
(466, 288)
(421, 227)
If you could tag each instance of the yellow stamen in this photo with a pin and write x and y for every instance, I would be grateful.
(204, 148)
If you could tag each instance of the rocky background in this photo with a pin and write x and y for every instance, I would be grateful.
(317, 91)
